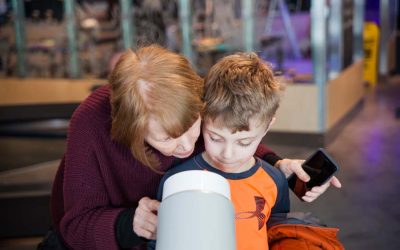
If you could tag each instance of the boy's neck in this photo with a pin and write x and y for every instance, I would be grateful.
(240, 169)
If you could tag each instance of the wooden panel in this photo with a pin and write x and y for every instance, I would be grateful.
(344, 92)
(34, 91)
(298, 110)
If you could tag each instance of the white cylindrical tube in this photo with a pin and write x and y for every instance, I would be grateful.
(196, 213)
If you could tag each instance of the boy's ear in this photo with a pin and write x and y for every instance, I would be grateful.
(270, 123)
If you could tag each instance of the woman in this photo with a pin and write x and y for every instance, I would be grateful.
(120, 141)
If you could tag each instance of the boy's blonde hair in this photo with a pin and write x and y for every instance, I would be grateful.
(153, 81)
(238, 88)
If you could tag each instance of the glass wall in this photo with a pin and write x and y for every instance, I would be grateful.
(78, 39)
(32, 38)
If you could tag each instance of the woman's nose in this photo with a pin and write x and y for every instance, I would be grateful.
(186, 142)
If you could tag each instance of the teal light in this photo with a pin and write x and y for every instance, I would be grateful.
(248, 25)
(318, 45)
(69, 8)
(126, 21)
(185, 15)
(19, 21)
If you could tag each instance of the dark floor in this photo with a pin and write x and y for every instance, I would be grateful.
(366, 208)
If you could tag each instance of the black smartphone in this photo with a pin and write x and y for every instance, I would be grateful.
(320, 167)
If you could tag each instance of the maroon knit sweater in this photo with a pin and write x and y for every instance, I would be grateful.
(98, 178)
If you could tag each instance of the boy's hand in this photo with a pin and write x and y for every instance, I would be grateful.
(315, 192)
(288, 166)
(145, 218)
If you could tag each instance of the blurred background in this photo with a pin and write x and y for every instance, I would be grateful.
(339, 59)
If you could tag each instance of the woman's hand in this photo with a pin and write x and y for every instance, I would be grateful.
(145, 218)
(288, 167)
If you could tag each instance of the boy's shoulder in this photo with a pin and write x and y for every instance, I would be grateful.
(273, 172)
(268, 167)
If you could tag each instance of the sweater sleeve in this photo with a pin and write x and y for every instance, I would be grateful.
(267, 154)
(89, 219)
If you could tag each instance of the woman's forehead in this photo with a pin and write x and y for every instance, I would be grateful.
(154, 128)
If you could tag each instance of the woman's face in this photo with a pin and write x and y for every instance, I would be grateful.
(180, 147)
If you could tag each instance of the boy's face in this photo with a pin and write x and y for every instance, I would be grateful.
(229, 152)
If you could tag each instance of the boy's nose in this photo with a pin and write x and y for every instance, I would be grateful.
(227, 152)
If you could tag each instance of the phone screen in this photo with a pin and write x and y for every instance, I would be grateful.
(320, 167)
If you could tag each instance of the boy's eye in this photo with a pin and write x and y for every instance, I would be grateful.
(214, 139)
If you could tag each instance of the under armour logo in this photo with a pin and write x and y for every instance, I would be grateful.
(260, 204)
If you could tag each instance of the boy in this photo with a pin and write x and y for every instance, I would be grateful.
(241, 98)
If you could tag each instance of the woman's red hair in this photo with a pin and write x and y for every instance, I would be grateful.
(153, 81)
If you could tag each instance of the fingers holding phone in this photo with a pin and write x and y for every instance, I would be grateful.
(315, 192)
(320, 167)
(292, 166)
(334, 181)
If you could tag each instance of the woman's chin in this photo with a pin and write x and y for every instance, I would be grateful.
(183, 155)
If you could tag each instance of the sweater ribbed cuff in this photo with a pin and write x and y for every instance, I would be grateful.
(126, 237)
(271, 158)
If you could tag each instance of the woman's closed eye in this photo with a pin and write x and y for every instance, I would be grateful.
(166, 139)
(245, 144)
